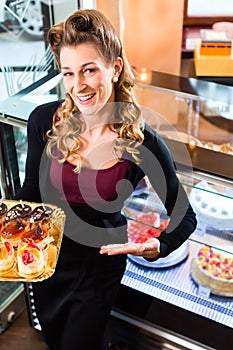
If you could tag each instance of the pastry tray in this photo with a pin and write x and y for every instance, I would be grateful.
(58, 220)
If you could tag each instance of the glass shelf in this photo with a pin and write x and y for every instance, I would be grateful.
(16, 109)
(193, 112)
(211, 198)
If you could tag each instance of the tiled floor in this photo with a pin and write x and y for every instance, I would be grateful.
(21, 336)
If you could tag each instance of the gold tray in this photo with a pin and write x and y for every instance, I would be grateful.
(58, 219)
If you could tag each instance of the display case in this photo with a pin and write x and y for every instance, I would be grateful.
(175, 293)
(185, 300)
(165, 301)
(193, 112)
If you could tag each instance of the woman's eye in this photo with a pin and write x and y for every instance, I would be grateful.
(89, 71)
(67, 74)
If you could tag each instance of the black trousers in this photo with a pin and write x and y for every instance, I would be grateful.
(73, 305)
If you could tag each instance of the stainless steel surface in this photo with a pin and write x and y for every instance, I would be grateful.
(167, 339)
(217, 180)
(12, 121)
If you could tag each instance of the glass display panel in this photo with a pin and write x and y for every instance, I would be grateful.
(197, 277)
(194, 112)
(23, 30)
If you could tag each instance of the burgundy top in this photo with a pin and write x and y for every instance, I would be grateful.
(90, 185)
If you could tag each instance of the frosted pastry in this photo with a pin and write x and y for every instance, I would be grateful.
(31, 259)
(7, 257)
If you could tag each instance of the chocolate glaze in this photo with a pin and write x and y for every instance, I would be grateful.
(3, 209)
(35, 234)
(41, 212)
(18, 211)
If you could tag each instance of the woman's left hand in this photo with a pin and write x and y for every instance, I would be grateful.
(149, 249)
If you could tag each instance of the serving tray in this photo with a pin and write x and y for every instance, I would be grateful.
(57, 218)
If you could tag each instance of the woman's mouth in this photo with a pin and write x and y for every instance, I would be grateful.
(86, 99)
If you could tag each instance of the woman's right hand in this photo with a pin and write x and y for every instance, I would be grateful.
(149, 249)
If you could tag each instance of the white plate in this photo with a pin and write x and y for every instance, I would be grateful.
(172, 259)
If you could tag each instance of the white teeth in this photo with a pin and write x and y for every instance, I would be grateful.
(85, 98)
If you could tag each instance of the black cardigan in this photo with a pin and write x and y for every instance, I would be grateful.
(156, 163)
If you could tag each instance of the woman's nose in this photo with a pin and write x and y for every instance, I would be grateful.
(79, 83)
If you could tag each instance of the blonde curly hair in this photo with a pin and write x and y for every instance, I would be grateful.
(91, 26)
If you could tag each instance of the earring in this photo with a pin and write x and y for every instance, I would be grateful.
(115, 79)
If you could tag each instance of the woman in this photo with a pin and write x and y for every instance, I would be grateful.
(97, 151)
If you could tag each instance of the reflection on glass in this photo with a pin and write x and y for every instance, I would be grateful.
(19, 16)
(23, 26)
(144, 75)
(21, 38)
(20, 135)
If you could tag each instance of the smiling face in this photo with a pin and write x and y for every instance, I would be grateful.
(87, 77)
